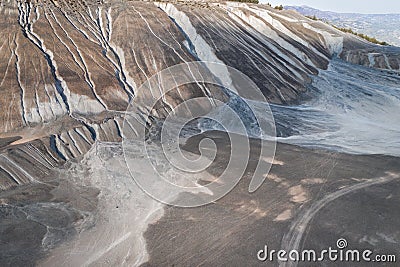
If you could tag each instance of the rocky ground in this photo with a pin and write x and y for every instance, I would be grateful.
(310, 199)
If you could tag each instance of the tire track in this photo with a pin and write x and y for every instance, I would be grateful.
(291, 240)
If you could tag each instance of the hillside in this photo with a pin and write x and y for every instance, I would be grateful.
(384, 27)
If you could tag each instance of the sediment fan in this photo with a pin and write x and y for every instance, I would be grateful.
(162, 145)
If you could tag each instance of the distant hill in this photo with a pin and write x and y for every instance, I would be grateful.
(384, 27)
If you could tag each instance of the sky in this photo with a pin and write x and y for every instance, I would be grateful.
(350, 6)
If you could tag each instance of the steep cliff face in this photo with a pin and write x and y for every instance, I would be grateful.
(374, 57)
(69, 68)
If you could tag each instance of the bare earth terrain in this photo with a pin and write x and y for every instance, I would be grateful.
(310, 199)
(69, 70)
